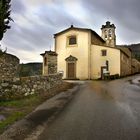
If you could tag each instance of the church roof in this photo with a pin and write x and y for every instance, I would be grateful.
(80, 29)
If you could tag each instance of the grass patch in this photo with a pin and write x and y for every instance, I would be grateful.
(21, 102)
(11, 119)
(17, 109)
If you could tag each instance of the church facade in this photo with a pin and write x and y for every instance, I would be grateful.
(83, 54)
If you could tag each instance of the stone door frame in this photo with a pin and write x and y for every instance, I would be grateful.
(71, 59)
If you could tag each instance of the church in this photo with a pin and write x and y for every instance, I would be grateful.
(83, 54)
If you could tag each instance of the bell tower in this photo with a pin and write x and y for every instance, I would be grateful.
(108, 34)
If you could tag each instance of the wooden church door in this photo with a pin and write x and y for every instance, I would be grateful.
(71, 70)
(71, 67)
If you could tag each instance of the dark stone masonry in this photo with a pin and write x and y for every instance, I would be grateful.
(13, 87)
(24, 86)
(8, 67)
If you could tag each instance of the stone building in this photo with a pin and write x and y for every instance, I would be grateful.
(49, 62)
(83, 54)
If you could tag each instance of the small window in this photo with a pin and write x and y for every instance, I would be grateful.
(103, 52)
(72, 40)
(45, 61)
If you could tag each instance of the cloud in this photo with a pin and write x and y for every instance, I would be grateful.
(34, 26)
(124, 13)
(18, 6)
(35, 22)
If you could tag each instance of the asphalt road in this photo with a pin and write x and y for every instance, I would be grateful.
(99, 111)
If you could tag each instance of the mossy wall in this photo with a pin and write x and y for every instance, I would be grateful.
(21, 87)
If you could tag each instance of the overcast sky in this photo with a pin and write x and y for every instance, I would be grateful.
(35, 22)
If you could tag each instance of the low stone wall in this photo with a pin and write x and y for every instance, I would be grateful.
(135, 66)
(8, 66)
(21, 87)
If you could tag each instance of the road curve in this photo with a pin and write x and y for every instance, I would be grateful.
(99, 111)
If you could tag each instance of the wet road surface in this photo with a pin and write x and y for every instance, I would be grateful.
(99, 111)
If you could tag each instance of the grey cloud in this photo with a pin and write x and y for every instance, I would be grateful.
(28, 39)
(18, 6)
(125, 13)
(49, 17)
(57, 17)
(40, 34)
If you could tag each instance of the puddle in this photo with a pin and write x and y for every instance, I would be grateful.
(2, 118)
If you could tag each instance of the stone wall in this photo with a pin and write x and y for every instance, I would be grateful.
(8, 66)
(20, 87)
(135, 66)
(125, 68)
